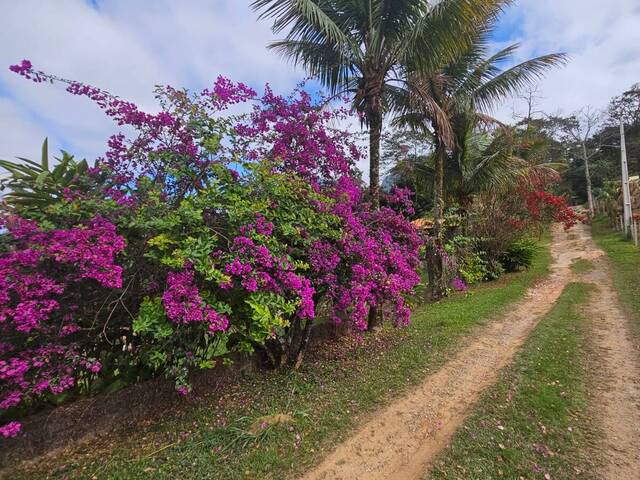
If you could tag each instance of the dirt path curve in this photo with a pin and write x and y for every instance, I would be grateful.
(400, 442)
(616, 404)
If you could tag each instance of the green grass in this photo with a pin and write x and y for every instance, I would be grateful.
(582, 266)
(625, 262)
(325, 400)
(527, 425)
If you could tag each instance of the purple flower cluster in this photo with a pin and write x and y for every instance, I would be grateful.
(402, 198)
(297, 133)
(184, 304)
(458, 284)
(381, 250)
(25, 68)
(375, 261)
(35, 276)
(91, 249)
(27, 296)
(163, 132)
(11, 429)
(255, 268)
(226, 93)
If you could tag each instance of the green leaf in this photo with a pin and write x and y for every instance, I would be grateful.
(157, 359)
(45, 154)
(152, 320)
(161, 242)
(40, 179)
(207, 364)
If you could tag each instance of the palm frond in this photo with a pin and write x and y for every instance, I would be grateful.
(307, 19)
(474, 73)
(321, 60)
(448, 31)
(514, 79)
(35, 184)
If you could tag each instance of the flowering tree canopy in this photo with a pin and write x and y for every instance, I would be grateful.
(199, 234)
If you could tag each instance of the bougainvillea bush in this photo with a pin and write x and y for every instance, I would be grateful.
(49, 281)
(198, 234)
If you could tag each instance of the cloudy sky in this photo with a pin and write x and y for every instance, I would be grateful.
(128, 46)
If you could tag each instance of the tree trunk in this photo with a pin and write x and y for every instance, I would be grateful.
(297, 354)
(375, 133)
(274, 353)
(588, 177)
(435, 257)
(438, 193)
(375, 319)
(435, 272)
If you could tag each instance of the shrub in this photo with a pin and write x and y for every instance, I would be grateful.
(519, 255)
(473, 268)
(51, 281)
(470, 266)
(494, 270)
(196, 236)
(498, 220)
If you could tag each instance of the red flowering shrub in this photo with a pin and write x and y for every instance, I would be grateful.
(499, 221)
(546, 207)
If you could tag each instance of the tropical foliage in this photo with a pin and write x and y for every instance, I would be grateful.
(30, 183)
(450, 104)
(368, 49)
(200, 233)
(198, 236)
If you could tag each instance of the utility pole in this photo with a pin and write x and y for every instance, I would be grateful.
(626, 194)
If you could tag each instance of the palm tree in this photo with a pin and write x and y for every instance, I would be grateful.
(34, 185)
(493, 160)
(365, 47)
(451, 101)
(490, 162)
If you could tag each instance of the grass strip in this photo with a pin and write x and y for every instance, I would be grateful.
(582, 265)
(275, 425)
(528, 425)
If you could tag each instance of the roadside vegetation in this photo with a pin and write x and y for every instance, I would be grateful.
(201, 234)
(529, 424)
(275, 425)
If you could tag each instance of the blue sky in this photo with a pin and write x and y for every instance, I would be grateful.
(128, 46)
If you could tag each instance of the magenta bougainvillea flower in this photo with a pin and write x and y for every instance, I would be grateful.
(142, 252)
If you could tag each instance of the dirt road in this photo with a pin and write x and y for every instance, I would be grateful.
(401, 441)
(616, 377)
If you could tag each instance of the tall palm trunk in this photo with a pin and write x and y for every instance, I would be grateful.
(435, 254)
(375, 133)
(438, 193)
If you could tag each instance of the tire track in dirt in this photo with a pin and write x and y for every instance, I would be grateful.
(615, 404)
(401, 441)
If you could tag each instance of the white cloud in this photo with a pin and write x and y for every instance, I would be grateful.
(21, 135)
(601, 38)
